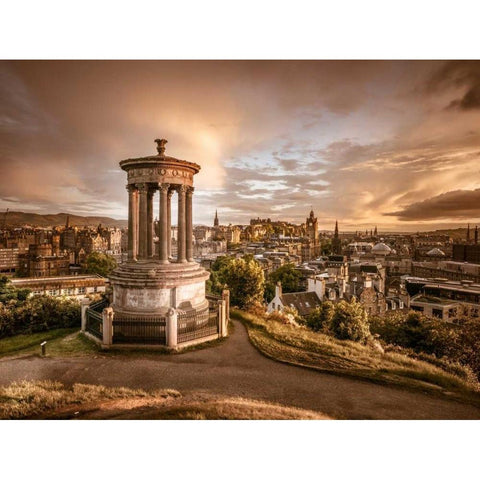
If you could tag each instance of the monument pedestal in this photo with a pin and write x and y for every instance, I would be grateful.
(149, 288)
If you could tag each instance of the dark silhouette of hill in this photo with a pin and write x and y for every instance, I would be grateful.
(17, 219)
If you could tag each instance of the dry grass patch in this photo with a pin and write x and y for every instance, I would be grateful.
(301, 346)
(27, 399)
(53, 400)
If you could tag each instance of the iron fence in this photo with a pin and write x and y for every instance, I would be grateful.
(94, 323)
(193, 325)
(139, 330)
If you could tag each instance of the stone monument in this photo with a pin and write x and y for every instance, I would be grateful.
(148, 287)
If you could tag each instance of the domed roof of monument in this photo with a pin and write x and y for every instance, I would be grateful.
(159, 159)
(381, 248)
(435, 252)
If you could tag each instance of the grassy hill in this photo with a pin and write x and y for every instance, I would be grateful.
(18, 219)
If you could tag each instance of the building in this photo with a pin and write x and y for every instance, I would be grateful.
(466, 252)
(311, 228)
(42, 261)
(444, 299)
(9, 260)
(336, 242)
(77, 286)
(303, 302)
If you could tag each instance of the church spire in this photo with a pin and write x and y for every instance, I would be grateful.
(215, 222)
(468, 233)
(336, 229)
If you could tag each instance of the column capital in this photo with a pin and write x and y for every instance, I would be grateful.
(164, 187)
(190, 190)
(142, 187)
(171, 191)
(182, 188)
(131, 188)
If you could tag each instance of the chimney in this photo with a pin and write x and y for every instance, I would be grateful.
(278, 289)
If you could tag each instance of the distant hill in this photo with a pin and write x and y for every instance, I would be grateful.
(17, 219)
(455, 233)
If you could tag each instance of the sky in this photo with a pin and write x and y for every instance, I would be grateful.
(389, 143)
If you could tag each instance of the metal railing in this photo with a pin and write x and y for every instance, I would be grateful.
(193, 325)
(94, 324)
(139, 330)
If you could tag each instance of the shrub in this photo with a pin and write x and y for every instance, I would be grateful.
(38, 314)
(321, 318)
(350, 322)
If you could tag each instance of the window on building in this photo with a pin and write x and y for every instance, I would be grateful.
(437, 312)
(81, 290)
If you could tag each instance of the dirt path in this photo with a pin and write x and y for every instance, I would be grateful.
(235, 368)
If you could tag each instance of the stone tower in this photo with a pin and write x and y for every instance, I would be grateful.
(336, 242)
(311, 225)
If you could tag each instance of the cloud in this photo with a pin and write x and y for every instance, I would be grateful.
(458, 75)
(273, 138)
(460, 204)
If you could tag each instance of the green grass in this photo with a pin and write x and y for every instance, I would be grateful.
(303, 347)
(60, 342)
(67, 342)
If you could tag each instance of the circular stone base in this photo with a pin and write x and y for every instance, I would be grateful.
(151, 288)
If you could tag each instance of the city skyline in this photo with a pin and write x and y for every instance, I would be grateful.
(387, 143)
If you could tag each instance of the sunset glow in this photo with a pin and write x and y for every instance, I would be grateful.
(388, 143)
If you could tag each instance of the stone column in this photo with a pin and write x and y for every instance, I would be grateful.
(164, 214)
(169, 222)
(107, 324)
(150, 223)
(181, 256)
(132, 221)
(142, 221)
(171, 328)
(189, 225)
(222, 319)
(226, 297)
(84, 303)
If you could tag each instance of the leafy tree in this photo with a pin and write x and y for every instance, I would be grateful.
(214, 284)
(321, 317)
(288, 276)
(9, 292)
(36, 314)
(100, 263)
(244, 278)
(350, 321)
(326, 247)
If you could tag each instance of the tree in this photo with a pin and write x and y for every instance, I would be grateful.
(9, 292)
(288, 276)
(100, 263)
(321, 317)
(350, 321)
(244, 278)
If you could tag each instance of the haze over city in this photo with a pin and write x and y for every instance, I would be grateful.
(394, 144)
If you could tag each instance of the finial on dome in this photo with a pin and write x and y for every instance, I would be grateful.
(161, 145)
